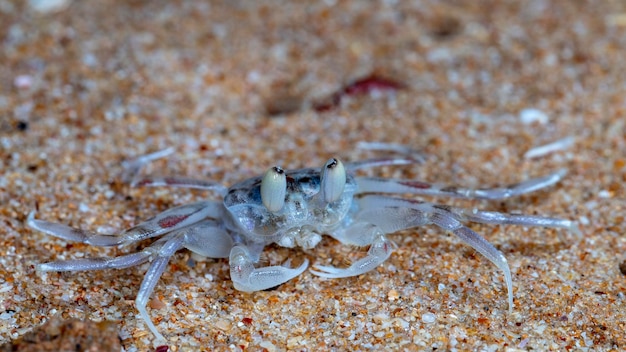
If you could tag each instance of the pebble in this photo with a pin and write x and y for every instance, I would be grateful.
(429, 318)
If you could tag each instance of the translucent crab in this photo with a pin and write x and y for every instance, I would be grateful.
(294, 208)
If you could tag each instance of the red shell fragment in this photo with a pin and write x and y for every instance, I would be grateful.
(371, 84)
(363, 86)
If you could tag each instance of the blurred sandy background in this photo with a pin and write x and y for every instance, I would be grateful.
(239, 86)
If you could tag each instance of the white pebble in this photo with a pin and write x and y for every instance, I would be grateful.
(6, 315)
(528, 116)
(429, 318)
(559, 145)
(48, 6)
(23, 81)
(583, 220)
(83, 208)
(268, 346)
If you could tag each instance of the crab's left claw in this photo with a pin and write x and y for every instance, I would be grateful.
(379, 251)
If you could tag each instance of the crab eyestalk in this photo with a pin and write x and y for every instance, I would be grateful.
(274, 189)
(333, 180)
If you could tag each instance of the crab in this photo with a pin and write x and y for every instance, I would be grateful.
(295, 208)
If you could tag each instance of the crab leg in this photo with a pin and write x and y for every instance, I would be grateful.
(133, 167)
(161, 254)
(168, 221)
(205, 238)
(494, 217)
(392, 147)
(70, 233)
(393, 214)
(378, 202)
(480, 244)
(369, 163)
(180, 182)
(382, 185)
(171, 220)
(122, 262)
(161, 251)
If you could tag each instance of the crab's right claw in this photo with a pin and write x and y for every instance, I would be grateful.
(247, 278)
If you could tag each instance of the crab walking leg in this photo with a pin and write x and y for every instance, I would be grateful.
(122, 262)
(480, 244)
(370, 163)
(132, 167)
(400, 221)
(392, 147)
(395, 214)
(205, 238)
(382, 185)
(408, 214)
(172, 219)
(163, 250)
(361, 234)
(494, 217)
(71, 234)
(180, 182)
(247, 278)
(167, 221)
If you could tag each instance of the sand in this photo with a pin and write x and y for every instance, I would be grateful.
(236, 88)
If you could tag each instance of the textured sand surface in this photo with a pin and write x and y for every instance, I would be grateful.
(236, 88)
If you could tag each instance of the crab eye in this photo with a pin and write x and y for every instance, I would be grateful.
(273, 189)
(333, 180)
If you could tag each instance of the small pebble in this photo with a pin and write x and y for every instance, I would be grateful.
(49, 6)
(528, 116)
(23, 81)
(428, 318)
(223, 325)
(156, 303)
(393, 295)
(268, 346)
